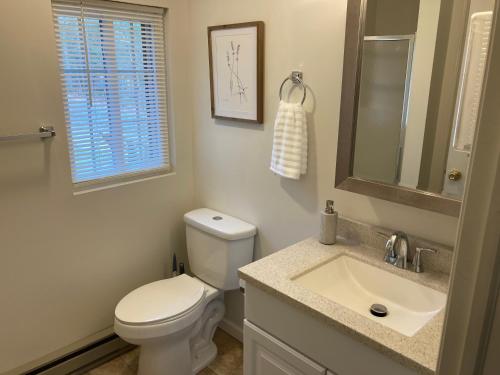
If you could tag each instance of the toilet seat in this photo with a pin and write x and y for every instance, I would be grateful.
(161, 302)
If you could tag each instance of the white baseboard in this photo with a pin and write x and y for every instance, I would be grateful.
(75, 359)
(232, 329)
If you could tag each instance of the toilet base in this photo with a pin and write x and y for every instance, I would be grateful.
(185, 352)
(203, 348)
(204, 358)
(166, 356)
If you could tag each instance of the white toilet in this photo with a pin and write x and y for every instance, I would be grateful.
(174, 320)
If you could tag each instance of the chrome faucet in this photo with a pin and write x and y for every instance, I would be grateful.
(396, 250)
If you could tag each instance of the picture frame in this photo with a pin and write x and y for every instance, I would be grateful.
(236, 62)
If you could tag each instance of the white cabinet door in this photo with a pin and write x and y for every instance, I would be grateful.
(266, 355)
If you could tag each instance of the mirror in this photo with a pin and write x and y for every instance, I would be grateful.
(413, 71)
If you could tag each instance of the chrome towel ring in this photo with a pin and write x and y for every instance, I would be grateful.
(296, 78)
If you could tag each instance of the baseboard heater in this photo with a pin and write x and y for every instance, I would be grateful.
(83, 359)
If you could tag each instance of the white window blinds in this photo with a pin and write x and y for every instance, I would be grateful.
(112, 63)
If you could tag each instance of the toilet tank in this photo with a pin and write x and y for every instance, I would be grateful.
(217, 245)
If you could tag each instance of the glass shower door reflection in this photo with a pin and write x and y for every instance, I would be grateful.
(382, 107)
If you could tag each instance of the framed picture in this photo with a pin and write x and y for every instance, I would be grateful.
(236, 57)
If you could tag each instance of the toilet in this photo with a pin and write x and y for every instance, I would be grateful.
(174, 320)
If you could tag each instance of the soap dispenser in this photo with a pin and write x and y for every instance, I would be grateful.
(328, 230)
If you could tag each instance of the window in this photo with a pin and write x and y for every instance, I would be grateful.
(112, 64)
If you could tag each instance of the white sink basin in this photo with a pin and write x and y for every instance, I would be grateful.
(357, 285)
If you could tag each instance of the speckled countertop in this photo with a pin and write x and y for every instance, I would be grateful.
(274, 272)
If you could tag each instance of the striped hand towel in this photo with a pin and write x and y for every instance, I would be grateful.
(289, 156)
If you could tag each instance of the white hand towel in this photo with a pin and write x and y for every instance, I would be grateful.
(289, 156)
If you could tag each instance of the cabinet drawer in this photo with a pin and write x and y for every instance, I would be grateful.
(266, 355)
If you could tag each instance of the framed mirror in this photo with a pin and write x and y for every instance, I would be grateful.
(411, 86)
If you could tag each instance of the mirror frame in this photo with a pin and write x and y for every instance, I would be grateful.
(344, 178)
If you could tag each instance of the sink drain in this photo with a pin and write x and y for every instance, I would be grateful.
(378, 310)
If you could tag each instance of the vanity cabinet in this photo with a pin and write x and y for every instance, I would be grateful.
(281, 339)
(266, 355)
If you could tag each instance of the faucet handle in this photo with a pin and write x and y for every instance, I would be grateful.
(417, 261)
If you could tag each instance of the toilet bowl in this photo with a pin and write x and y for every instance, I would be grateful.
(174, 320)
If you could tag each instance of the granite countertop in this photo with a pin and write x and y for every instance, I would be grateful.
(273, 274)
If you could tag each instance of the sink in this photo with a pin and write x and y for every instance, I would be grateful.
(358, 285)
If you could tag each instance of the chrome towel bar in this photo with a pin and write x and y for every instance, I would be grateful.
(43, 132)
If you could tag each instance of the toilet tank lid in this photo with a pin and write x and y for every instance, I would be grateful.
(219, 224)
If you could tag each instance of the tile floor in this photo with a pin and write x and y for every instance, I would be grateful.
(229, 360)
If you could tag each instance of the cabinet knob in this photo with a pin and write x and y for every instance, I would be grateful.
(454, 175)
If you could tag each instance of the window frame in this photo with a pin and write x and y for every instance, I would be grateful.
(124, 178)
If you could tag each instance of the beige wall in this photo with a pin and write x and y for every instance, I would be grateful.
(232, 159)
(391, 17)
(65, 260)
(492, 361)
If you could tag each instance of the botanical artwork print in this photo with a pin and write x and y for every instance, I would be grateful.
(234, 59)
(236, 86)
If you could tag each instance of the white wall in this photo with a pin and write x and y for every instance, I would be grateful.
(232, 159)
(65, 260)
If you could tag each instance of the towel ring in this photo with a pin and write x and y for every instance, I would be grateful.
(296, 78)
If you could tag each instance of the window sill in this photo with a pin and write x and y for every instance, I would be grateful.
(113, 182)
